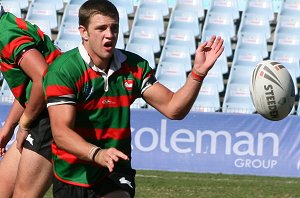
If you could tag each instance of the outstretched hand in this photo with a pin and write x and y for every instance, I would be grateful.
(206, 55)
(108, 158)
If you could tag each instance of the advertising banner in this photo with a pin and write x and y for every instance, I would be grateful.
(216, 143)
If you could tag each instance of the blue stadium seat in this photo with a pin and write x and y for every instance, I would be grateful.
(216, 21)
(255, 23)
(190, 6)
(253, 41)
(175, 54)
(290, 8)
(59, 4)
(260, 7)
(144, 51)
(149, 17)
(286, 42)
(6, 95)
(215, 76)
(127, 4)
(185, 19)
(145, 35)
(172, 69)
(208, 99)
(237, 99)
(43, 11)
(12, 6)
(246, 58)
(70, 14)
(287, 24)
(225, 6)
(181, 37)
(123, 20)
(155, 4)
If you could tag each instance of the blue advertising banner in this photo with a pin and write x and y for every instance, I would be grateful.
(216, 143)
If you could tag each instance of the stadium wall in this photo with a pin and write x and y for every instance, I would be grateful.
(225, 143)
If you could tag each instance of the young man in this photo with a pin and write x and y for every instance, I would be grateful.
(25, 52)
(89, 91)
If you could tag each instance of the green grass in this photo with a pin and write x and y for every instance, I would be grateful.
(161, 184)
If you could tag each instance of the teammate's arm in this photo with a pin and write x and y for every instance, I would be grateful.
(10, 124)
(34, 65)
(62, 119)
(177, 105)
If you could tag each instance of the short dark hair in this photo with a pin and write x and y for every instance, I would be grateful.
(92, 7)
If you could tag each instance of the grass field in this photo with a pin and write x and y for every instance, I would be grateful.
(159, 184)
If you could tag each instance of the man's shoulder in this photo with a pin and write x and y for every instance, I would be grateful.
(65, 59)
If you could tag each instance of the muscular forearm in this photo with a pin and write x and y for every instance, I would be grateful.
(183, 100)
(35, 105)
(14, 116)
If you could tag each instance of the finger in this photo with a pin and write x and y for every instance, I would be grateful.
(110, 165)
(218, 43)
(119, 154)
(211, 41)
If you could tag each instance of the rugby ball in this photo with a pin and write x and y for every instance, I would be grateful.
(272, 90)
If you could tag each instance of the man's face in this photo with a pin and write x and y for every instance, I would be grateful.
(102, 36)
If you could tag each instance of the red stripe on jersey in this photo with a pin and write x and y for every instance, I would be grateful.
(57, 90)
(5, 67)
(88, 75)
(41, 33)
(21, 24)
(101, 134)
(65, 156)
(136, 71)
(10, 47)
(107, 102)
(17, 91)
(50, 58)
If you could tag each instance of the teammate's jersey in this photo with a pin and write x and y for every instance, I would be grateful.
(16, 37)
(102, 106)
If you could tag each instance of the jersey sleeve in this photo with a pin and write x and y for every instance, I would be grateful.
(20, 36)
(148, 78)
(59, 89)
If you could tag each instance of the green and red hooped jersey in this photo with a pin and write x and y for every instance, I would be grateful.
(17, 36)
(103, 115)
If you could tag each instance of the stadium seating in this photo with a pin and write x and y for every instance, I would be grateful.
(260, 7)
(155, 4)
(253, 41)
(59, 4)
(6, 95)
(185, 19)
(144, 51)
(190, 6)
(253, 30)
(225, 6)
(181, 37)
(255, 23)
(208, 99)
(127, 4)
(175, 54)
(12, 6)
(149, 17)
(43, 11)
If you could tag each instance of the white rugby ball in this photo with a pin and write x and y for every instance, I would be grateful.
(272, 90)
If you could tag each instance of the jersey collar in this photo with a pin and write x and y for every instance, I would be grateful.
(118, 59)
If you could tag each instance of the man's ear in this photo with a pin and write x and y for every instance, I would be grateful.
(83, 32)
